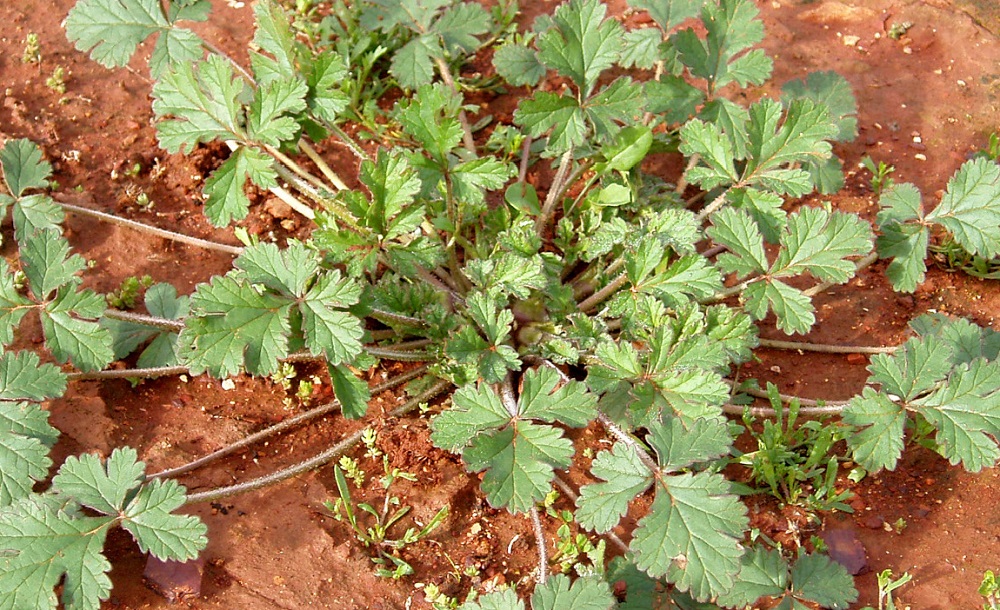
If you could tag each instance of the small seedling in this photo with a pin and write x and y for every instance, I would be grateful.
(32, 49)
(989, 588)
(377, 535)
(899, 525)
(881, 174)
(127, 295)
(57, 81)
(886, 585)
(898, 29)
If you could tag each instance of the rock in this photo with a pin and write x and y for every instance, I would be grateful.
(873, 522)
(856, 359)
(174, 580)
(844, 547)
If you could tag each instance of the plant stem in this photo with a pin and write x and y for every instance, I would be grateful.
(398, 355)
(543, 559)
(315, 461)
(522, 170)
(682, 182)
(281, 427)
(295, 167)
(709, 209)
(349, 142)
(827, 349)
(138, 226)
(145, 320)
(555, 191)
(467, 140)
(809, 405)
(602, 294)
(626, 438)
(322, 165)
(391, 316)
(147, 373)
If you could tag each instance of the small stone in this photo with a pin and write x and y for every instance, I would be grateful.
(174, 580)
(851, 41)
(228, 384)
(856, 359)
(920, 157)
(844, 547)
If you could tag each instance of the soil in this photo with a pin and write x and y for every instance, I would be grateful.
(927, 100)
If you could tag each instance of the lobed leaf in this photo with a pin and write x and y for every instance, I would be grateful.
(601, 506)
(100, 486)
(23, 166)
(226, 198)
(877, 441)
(581, 44)
(584, 593)
(969, 208)
(164, 535)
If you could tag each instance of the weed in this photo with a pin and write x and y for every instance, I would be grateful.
(881, 174)
(990, 589)
(32, 53)
(57, 80)
(377, 535)
(127, 295)
(886, 585)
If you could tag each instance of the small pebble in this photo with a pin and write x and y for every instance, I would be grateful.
(856, 359)
(873, 522)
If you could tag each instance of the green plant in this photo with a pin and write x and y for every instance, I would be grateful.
(128, 293)
(794, 462)
(57, 80)
(32, 49)
(607, 297)
(886, 585)
(990, 589)
(881, 174)
(377, 535)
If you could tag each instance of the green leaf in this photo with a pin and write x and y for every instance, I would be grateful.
(471, 179)
(25, 459)
(102, 487)
(43, 547)
(413, 65)
(818, 579)
(668, 14)
(13, 306)
(337, 334)
(507, 273)
(22, 377)
(23, 166)
(819, 241)
(267, 117)
(519, 463)
(732, 27)
(904, 242)
(325, 99)
(285, 270)
(548, 111)
(715, 150)
(641, 48)
(86, 344)
(164, 535)
(912, 369)
(35, 213)
(765, 209)
(673, 97)
(460, 24)
(232, 325)
(585, 593)
(206, 104)
(475, 409)
(969, 208)
(581, 44)
(967, 340)
(225, 188)
(173, 47)
(680, 444)
(505, 599)
(628, 149)
(620, 102)
(601, 506)
(800, 137)
(393, 184)
(28, 420)
(112, 31)
(791, 306)
(46, 261)
(518, 65)
(737, 231)
(351, 392)
(732, 119)
(274, 35)
(569, 403)
(431, 118)
(691, 276)
(877, 442)
(966, 413)
(692, 534)
(763, 572)
(832, 90)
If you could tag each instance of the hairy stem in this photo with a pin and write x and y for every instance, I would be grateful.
(145, 320)
(322, 165)
(281, 427)
(314, 462)
(711, 208)
(647, 460)
(555, 191)
(147, 373)
(543, 557)
(827, 349)
(348, 141)
(603, 294)
(138, 226)
(809, 406)
(572, 495)
(522, 169)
